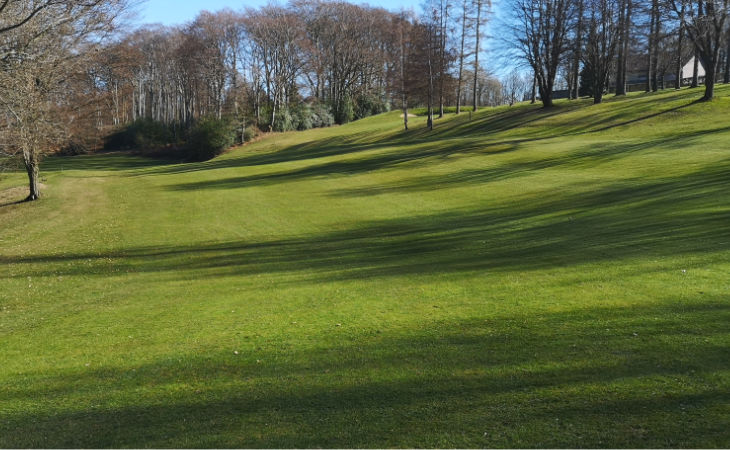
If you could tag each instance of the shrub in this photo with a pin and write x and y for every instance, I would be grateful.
(321, 116)
(75, 147)
(284, 121)
(209, 138)
(141, 134)
(368, 105)
(302, 117)
(250, 133)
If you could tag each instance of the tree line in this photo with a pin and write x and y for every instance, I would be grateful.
(597, 43)
(73, 78)
(269, 67)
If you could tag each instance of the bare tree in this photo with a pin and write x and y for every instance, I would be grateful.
(601, 41)
(346, 53)
(514, 87)
(652, 47)
(403, 83)
(42, 46)
(705, 24)
(430, 53)
(444, 56)
(466, 24)
(541, 32)
(624, 39)
(479, 5)
(680, 46)
(578, 47)
(276, 35)
(726, 78)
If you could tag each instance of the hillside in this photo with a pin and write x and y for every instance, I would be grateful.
(528, 278)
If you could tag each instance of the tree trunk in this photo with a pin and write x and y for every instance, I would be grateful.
(273, 114)
(652, 44)
(578, 47)
(461, 61)
(710, 79)
(545, 93)
(655, 50)
(680, 40)
(243, 130)
(620, 81)
(533, 97)
(442, 54)
(429, 121)
(627, 32)
(696, 70)
(404, 95)
(476, 54)
(726, 79)
(31, 167)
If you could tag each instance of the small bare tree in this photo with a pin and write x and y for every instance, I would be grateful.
(41, 47)
(541, 31)
(624, 40)
(603, 36)
(479, 5)
(514, 86)
(465, 24)
(705, 24)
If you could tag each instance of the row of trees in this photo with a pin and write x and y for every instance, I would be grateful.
(262, 65)
(599, 38)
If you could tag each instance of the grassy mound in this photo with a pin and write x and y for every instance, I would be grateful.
(527, 278)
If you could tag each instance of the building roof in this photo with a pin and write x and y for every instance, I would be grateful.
(688, 69)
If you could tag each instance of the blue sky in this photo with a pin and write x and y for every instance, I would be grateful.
(175, 12)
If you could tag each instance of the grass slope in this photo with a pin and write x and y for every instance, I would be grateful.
(529, 278)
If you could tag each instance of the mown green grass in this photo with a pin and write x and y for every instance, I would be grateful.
(529, 278)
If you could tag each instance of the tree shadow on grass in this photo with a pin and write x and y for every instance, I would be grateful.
(640, 376)
(103, 162)
(353, 141)
(412, 156)
(662, 218)
(450, 135)
(591, 155)
(15, 196)
(410, 146)
(4, 203)
(417, 155)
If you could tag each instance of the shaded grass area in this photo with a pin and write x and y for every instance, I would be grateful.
(603, 380)
(528, 278)
(621, 220)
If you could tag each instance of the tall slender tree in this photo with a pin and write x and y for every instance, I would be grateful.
(726, 78)
(623, 45)
(462, 51)
(601, 42)
(680, 49)
(479, 5)
(578, 48)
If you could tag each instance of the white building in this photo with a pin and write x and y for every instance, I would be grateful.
(688, 69)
